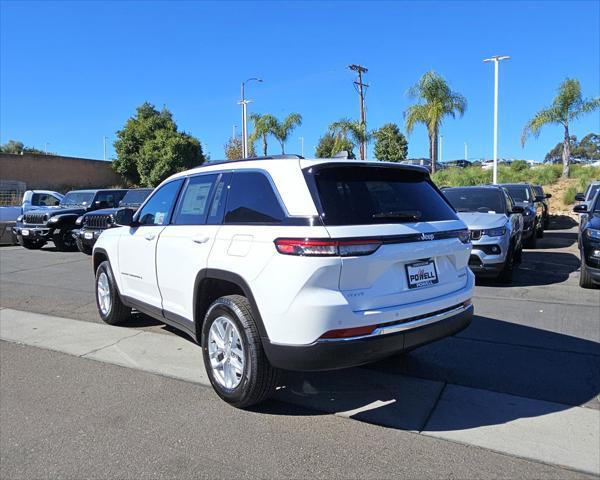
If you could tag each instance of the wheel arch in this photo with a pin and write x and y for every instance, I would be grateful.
(212, 283)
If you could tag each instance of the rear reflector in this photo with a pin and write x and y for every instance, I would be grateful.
(326, 248)
(349, 332)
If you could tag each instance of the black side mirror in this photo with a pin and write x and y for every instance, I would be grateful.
(580, 197)
(540, 198)
(548, 195)
(124, 218)
(518, 209)
(580, 208)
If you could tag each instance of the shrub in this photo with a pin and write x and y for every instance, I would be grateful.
(519, 165)
(569, 195)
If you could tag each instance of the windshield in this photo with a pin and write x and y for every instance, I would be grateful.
(592, 191)
(77, 198)
(482, 200)
(369, 195)
(136, 197)
(519, 193)
(539, 191)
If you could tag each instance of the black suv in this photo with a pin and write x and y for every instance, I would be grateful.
(524, 196)
(539, 191)
(94, 223)
(36, 227)
(589, 242)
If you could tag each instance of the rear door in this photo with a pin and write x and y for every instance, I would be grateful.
(422, 255)
(184, 246)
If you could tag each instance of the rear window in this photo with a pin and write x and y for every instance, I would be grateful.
(373, 195)
(519, 193)
(482, 200)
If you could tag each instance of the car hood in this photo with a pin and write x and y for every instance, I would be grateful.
(481, 221)
(52, 211)
(103, 211)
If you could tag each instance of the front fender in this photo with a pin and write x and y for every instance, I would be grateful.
(66, 220)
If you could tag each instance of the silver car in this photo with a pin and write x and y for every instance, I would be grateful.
(496, 227)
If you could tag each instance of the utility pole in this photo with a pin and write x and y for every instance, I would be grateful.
(104, 143)
(363, 116)
(243, 102)
(496, 59)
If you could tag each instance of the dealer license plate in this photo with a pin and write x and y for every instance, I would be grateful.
(421, 274)
(25, 232)
(88, 235)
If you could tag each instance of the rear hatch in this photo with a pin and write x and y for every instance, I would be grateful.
(423, 247)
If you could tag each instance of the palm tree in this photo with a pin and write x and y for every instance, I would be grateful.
(264, 125)
(282, 130)
(435, 101)
(348, 132)
(566, 106)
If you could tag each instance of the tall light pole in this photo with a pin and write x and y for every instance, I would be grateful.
(243, 103)
(233, 131)
(466, 151)
(496, 59)
(104, 144)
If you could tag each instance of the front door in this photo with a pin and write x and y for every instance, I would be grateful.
(137, 248)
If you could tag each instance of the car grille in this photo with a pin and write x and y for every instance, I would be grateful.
(97, 221)
(35, 218)
(475, 234)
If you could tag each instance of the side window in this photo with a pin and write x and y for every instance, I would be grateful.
(217, 207)
(509, 203)
(251, 199)
(109, 199)
(193, 205)
(158, 208)
(44, 200)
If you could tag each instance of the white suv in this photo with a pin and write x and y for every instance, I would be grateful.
(287, 263)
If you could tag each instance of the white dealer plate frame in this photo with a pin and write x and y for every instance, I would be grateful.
(428, 268)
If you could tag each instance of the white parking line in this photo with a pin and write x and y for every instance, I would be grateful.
(542, 431)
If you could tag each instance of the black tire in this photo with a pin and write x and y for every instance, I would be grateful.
(259, 377)
(506, 274)
(118, 313)
(531, 242)
(64, 241)
(31, 245)
(82, 247)
(585, 279)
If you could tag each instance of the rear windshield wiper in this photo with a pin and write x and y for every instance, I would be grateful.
(399, 215)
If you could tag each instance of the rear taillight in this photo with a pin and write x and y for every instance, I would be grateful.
(311, 247)
(349, 332)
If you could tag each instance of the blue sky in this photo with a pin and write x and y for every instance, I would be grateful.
(73, 72)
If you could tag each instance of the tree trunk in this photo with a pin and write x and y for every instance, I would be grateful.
(264, 139)
(566, 152)
(282, 147)
(433, 146)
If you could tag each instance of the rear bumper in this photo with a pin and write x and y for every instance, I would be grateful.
(344, 353)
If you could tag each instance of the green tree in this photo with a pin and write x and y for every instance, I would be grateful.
(329, 145)
(435, 101)
(588, 148)
(283, 129)
(233, 149)
(390, 143)
(557, 151)
(17, 147)
(347, 132)
(150, 148)
(264, 125)
(567, 106)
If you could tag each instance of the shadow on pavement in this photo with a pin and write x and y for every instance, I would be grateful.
(538, 268)
(561, 222)
(557, 240)
(557, 371)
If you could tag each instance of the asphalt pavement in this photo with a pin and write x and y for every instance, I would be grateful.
(528, 362)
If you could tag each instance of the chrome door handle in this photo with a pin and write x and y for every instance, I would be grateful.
(200, 239)
(150, 236)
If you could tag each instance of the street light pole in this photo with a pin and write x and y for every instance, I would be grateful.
(496, 59)
(243, 103)
(104, 143)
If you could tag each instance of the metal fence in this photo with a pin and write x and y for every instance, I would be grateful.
(11, 192)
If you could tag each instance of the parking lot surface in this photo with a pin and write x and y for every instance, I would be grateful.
(527, 369)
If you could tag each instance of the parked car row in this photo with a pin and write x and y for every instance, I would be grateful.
(76, 220)
(588, 239)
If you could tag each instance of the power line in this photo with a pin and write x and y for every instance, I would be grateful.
(363, 116)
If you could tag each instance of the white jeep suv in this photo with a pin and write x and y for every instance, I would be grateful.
(287, 263)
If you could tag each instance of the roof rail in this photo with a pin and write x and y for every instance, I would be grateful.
(269, 157)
